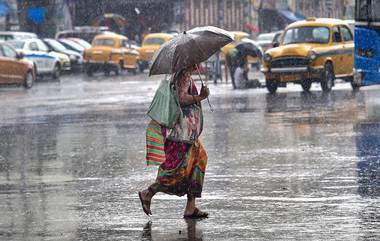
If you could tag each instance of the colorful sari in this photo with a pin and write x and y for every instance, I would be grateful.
(182, 165)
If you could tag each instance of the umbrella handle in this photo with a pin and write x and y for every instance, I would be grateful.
(208, 100)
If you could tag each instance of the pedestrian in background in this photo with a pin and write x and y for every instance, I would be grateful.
(183, 169)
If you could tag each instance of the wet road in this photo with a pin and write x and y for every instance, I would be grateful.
(293, 166)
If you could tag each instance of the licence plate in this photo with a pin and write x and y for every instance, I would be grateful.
(290, 77)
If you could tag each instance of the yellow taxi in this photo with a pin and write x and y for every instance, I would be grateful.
(151, 43)
(110, 52)
(312, 50)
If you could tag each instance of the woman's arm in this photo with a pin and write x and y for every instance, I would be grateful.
(185, 98)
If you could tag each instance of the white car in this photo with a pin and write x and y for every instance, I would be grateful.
(266, 40)
(9, 35)
(45, 61)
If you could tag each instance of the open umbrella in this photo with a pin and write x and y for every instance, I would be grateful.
(189, 48)
(249, 47)
(110, 19)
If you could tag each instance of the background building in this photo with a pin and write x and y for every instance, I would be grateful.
(45, 17)
(321, 8)
(8, 15)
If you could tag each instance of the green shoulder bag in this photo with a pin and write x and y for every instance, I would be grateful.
(165, 108)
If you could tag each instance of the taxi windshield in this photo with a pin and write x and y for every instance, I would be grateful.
(104, 42)
(155, 41)
(314, 34)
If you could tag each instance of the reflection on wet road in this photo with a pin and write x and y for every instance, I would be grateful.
(293, 166)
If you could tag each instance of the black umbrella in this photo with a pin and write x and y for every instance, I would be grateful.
(189, 48)
(249, 47)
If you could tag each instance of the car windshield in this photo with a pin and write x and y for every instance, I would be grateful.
(73, 45)
(17, 44)
(55, 45)
(155, 41)
(104, 42)
(84, 43)
(306, 35)
(265, 37)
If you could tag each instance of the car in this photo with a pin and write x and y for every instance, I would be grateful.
(268, 40)
(110, 52)
(76, 59)
(86, 33)
(81, 42)
(312, 50)
(69, 44)
(151, 43)
(14, 68)
(45, 61)
(9, 35)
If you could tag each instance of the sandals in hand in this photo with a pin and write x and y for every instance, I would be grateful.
(143, 203)
(197, 214)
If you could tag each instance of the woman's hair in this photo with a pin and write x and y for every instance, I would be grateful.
(179, 74)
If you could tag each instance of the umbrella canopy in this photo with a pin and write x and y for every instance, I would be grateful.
(249, 47)
(110, 19)
(189, 48)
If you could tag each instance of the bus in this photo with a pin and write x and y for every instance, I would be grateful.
(367, 43)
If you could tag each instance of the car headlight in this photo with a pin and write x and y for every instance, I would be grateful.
(267, 57)
(73, 57)
(313, 55)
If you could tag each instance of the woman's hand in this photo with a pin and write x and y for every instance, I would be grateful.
(205, 92)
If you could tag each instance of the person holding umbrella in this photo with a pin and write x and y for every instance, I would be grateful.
(181, 156)
(237, 61)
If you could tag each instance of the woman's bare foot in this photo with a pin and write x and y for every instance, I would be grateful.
(145, 198)
(196, 214)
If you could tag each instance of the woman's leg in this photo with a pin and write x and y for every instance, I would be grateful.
(146, 198)
(190, 205)
(192, 211)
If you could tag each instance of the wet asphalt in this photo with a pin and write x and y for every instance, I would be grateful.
(290, 166)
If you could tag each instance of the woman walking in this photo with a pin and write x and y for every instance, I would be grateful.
(183, 164)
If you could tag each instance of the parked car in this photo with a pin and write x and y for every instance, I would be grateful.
(76, 59)
(313, 50)
(81, 42)
(8, 35)
(86, 33)
(14, 68)
(72, 46)
(267, 40)
(151, 43)
(45, 61)
(110, 52)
